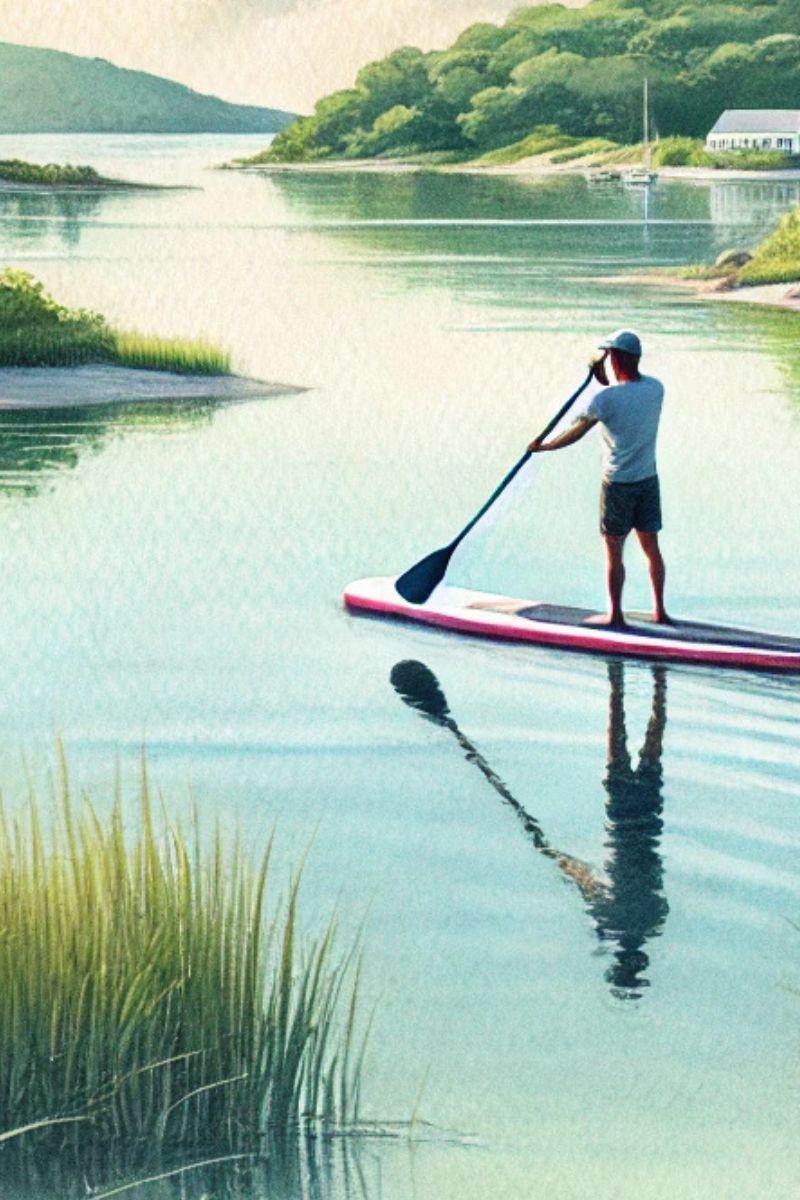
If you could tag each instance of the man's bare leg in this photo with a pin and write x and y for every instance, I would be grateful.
(658, 574)
(615, 580)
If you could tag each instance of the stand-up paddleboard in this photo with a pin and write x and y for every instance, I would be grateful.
(487, 615)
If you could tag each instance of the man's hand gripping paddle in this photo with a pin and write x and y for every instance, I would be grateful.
(419, 581)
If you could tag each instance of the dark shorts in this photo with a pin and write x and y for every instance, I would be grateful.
(627, 506)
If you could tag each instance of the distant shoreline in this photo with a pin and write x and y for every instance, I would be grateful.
(525, 168)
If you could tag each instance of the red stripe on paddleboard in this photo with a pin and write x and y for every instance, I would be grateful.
(576, 639)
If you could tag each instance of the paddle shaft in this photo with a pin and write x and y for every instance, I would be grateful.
(419, 688)
(501, 487)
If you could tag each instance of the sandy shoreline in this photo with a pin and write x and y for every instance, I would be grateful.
(539, 166)
(777, 295)
(24, 388)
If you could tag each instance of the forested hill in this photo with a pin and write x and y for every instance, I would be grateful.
(48, 91)
(580, 69)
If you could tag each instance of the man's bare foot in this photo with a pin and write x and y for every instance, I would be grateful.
(607, 621)
(662, 618)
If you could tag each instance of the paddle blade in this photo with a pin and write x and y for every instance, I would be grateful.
(417, 583)
(418, 687)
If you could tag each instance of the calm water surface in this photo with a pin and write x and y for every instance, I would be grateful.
(580, 890)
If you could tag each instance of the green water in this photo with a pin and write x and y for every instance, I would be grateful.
(176, 580)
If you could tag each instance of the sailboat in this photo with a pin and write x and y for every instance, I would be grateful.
(643, 175)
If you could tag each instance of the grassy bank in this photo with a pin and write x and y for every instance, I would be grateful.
(37, 331)
(155, 999)
(691, 152)
(545, 140)
(668, 152)
(775, 260)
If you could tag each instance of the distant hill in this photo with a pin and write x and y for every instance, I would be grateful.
(48, 91)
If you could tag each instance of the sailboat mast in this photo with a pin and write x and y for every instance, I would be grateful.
(646, 124)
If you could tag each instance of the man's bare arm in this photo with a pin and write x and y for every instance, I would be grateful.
(568, 438)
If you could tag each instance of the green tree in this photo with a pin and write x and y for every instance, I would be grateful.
(296, 143)
(390, 130)
(401, 78)
(709, 26)
(524, 45)
(483, 36)
(766, 75)
(498, 116)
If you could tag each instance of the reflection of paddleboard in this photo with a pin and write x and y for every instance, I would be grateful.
(486, 615)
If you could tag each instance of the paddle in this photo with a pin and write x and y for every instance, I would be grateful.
(417, 583)
(418, 687)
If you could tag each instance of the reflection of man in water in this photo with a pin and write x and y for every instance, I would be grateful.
(628, 905)
(633, 907)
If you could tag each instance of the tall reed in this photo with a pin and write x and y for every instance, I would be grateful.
(148, 990)
(193, 356)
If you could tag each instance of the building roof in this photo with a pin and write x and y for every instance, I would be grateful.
(759, 120)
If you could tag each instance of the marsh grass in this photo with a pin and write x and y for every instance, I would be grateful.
(36, 331)
(193, 357)
(154, 1000)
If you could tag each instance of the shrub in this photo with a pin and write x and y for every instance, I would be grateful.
(14, 170)
(777, 259)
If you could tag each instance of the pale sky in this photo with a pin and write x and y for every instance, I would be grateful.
(279, 53)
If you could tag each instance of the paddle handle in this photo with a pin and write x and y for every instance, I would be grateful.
(565, 407)
(501, 487)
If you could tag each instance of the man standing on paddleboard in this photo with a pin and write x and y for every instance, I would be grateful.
(629, 413)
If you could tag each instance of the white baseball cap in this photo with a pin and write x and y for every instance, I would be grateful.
(625, 340)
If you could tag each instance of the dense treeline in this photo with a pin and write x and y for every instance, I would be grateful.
(580, 69)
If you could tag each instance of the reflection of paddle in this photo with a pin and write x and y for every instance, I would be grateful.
(419, 688)
(417, 583)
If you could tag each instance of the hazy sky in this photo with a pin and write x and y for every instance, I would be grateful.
(285, 53)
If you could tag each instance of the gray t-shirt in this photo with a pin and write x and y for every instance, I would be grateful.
(629, 413)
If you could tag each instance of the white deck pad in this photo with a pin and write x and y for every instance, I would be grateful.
(485, 614)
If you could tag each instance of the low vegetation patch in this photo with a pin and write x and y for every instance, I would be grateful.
(777, 259)
(544, 139)
(584, 149)
(36, 331)
(14, 170)
(691, 152)
(154, 997)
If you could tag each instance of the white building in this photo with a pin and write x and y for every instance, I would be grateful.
(757, 129)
